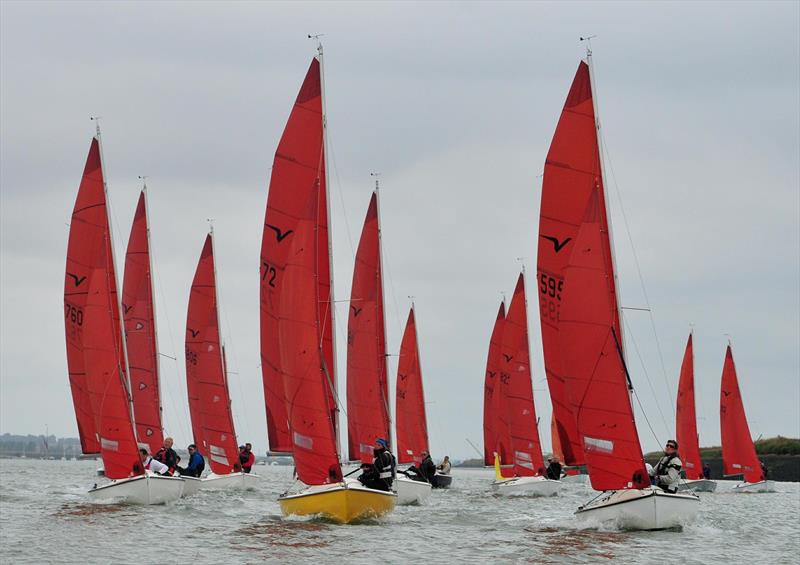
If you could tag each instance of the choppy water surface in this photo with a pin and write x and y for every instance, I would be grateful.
(45, 516)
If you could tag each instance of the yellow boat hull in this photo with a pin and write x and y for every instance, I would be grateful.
(342, 503)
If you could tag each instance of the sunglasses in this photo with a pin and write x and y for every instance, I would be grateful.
(672, 445)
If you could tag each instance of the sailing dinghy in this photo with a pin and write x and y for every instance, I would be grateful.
(96, 350)
(411, 422)
(207, 381)
(517, 431)
(738, 451)
(297, 345)
(577, 287)
(686, 428)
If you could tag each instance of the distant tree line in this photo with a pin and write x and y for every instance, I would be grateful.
(39, 446)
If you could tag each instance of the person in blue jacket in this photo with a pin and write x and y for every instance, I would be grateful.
(196, 463)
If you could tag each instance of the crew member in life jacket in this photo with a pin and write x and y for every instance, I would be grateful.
(196, 463)
(167, 456)
(153, 465)
(667, 473)
(246, 457)
(380, 474)
(428, 468)
(553, 470)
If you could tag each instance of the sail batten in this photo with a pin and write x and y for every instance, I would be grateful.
(206, 381)
(739, 455)
(411, 421)
(138, 311)
(367, 382)
(298, 172)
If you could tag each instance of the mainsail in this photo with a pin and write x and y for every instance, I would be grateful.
(88, 244)
(738, 452)
(307, 381)
(138, 311)
(686, 418)
(492, 432)
(367, 386)
(412, 425)
(571, 172)
(206, 379)
(298, 171)
(516, 403)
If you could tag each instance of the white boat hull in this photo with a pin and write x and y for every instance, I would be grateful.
(191, 485)
(645, 509)
(410, 491)
(762, 486)
(246, 481)
(575, 479)
(699, 485)
(144, 489)
(527, 486)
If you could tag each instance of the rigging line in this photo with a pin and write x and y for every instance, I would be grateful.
(641, 408)
(172, 404)
(638, 270)
(647, 376)
(339, 190)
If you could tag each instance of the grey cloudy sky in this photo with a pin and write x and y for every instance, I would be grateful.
(455, 103)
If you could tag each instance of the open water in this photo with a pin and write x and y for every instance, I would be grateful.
(45, 516)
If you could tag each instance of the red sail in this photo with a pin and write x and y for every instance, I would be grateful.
(592, 352)
(686, 419)
(571, 172)
(555, 437)
(516, 404)
(206, 381)
(412, 425)
(367, 387)
(297, 172)
(88, 244)
(105, 375)
(140, 332)
(306, 380)
(491, 395)
(738, 452)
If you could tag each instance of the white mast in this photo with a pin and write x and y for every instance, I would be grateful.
(153, 305)
(125, 369)
(596, 109)
(383, 309)
(332, 301)
(219, 329)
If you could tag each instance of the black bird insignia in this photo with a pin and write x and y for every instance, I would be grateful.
(508, 357)
(77, 280)
(279, 235)
(356, 311)
(193, 332)
(558, 246)
(402, 377)
(492, 374)
(126, 308)
(726, 393)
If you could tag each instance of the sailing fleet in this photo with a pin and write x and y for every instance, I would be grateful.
(113, 358)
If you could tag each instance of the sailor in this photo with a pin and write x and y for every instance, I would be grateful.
(444, 466)
(764, 471)
(667, 472)
(246, 457)
(428, 468)
(196, 463)
(151, 464)
(706, 471)
(167, 456)
(380, 474)
(553, 470)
